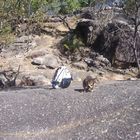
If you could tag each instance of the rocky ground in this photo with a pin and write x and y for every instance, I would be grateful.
(110, 112)
(39, 57)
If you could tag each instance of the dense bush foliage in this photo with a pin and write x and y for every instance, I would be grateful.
(11, 9)
(35, 9)
(131, 5)
(71, 43)
(29, 8)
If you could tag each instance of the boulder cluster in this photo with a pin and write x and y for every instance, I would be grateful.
(114, 39)
(107, 35)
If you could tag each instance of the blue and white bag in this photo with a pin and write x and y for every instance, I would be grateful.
(62, 78)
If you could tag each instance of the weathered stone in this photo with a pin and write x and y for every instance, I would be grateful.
(80, 65)
(117, 42)
(23, 39)
(89, 61)
(26, 81)
(42, 67)
(35, 54)
(39, 80)
(103, 60)
(50, 61)
(38, 61)
(97, 64)
(97, 61)
(114, 41)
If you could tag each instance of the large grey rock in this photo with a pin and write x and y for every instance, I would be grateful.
(49, 60)
(117, 42)
(114, 41)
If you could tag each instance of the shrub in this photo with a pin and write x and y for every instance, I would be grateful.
(72, 43)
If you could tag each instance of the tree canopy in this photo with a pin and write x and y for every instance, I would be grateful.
(29, 7)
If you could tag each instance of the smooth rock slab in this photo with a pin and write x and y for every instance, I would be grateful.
(110, 112)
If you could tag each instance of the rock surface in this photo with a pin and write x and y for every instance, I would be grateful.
(111, 111)
(80, 65)
(112, 38)
(43, 50)
(49, 60)
(30, 80)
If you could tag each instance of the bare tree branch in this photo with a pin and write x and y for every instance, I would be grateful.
(65, 22)
(11, 80)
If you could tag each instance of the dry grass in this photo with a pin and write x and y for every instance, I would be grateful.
(7, 38)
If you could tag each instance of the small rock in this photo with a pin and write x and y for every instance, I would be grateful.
(25, 81)
(103, 60)
(80, 65)
(50, 61)
(39, 80)
(42, 67)
(89, 61)
(23, 39)
(96, 64)
(33, 44)
(132, 79)
(35, 54)
(38, 61)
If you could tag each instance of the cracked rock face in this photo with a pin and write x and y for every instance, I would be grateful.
(115, 41)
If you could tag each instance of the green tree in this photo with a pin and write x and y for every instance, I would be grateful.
(63, 6)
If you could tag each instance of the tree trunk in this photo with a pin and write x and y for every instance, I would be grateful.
(136, 53)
